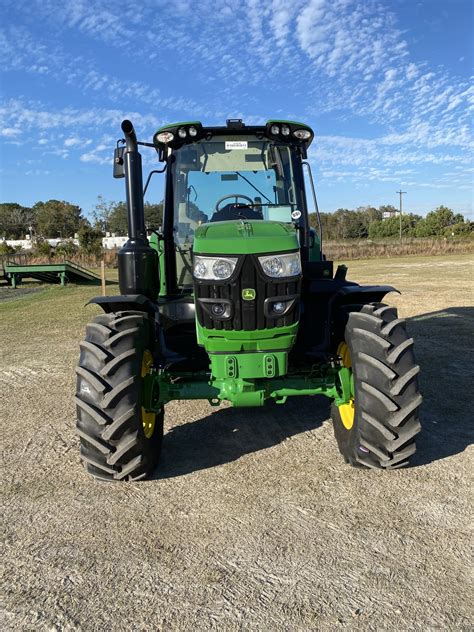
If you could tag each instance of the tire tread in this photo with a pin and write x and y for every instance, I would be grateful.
(386, 390)
(113, 445)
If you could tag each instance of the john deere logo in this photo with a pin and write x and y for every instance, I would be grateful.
(249, 294)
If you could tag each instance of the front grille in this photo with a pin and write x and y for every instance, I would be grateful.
(246, 315)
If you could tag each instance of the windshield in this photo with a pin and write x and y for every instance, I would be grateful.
(229, 179)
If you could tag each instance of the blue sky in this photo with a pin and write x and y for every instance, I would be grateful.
(386, 85)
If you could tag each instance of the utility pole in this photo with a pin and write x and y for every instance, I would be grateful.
(400, 194)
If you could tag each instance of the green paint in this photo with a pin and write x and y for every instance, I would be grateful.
(164, 128)
(258, 340)
(157, 243)
(245, 237)
(242, 392)
(249, 365)
(53, 273)
(346, 386)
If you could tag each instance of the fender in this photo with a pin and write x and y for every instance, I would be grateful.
(332, 294)
(125, 302)
(351, 295)
(362, 294)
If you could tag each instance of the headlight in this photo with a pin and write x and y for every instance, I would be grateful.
(165, 137)
(214, 268)
(302, 134)
(277, 266)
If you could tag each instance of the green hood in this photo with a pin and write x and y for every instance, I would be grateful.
(244, 237)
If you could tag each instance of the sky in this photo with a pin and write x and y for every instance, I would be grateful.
(386, 85)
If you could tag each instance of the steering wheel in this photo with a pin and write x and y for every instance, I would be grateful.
(233, 195)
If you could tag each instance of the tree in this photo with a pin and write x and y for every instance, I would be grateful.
(111, 216)
(460, 228)
(5, 249)
(154, 215)
(102, 213)
(56, 218)
(66, 249)
(15, 220)
(118, 219)
(118, 222)
(437, 221)
(90, 240)
(345, 223)
(349, 224)
(390, 227)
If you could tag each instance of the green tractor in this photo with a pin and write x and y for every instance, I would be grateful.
(233, 300)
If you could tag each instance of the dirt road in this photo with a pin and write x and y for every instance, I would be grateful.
(253, 521)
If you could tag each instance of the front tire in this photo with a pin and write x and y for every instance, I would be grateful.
(380, 431)
(119, 439)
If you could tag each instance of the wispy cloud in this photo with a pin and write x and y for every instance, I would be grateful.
(73, 141)
(340, 60)
(28, 116)
(10, 132)
(94, 156)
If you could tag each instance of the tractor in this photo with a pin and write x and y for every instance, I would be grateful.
(232, 299)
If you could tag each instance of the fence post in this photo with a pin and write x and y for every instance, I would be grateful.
(102, 275)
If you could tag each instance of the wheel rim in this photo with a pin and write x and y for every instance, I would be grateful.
(148, 418)
(346, 411)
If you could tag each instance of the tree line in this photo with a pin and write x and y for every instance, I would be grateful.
(57, 219)
(61, 220)
(369, 222)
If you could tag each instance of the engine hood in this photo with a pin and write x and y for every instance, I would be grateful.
(245, 237)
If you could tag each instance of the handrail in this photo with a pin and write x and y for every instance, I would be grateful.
(316, 208)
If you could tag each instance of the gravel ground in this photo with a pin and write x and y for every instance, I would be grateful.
(253, 520)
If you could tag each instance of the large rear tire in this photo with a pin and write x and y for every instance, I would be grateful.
(378, 428)
(119, 439)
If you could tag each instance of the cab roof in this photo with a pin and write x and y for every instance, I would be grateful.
(275, 129)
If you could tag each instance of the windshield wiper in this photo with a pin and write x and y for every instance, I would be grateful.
(252, 185)
(241, 204)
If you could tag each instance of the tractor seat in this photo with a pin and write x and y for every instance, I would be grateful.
(236, 211)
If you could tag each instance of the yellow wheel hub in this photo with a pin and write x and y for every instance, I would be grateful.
(343, 351)
(148, 418)
(347, 411)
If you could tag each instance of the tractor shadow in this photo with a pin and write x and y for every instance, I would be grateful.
(443, 340)
(443, 347)
(229, 433)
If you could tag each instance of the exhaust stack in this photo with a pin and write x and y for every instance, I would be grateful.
(137, 261)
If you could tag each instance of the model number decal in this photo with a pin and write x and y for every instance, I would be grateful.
(236, 144)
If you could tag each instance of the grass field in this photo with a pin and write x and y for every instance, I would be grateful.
(253, 521)
(388, 249)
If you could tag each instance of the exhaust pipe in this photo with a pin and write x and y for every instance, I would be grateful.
(134, 184)
(130, 136)
(137, 261)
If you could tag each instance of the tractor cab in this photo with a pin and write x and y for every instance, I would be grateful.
(237, 173)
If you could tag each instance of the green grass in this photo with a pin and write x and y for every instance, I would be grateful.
(37, 326)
